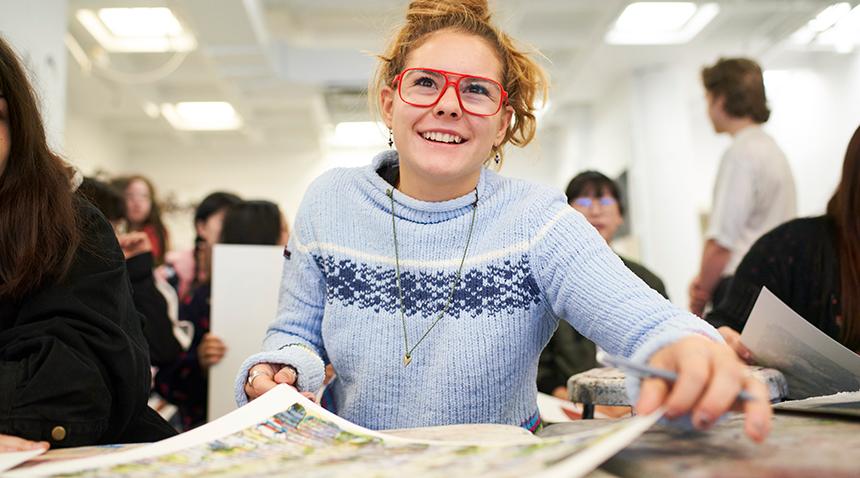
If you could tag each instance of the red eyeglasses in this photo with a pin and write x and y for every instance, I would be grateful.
(424, 87)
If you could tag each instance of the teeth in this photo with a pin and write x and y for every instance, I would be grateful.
(442, 137)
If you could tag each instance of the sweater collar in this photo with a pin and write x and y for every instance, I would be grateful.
(416, 210)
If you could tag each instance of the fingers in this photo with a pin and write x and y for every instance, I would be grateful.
(286, 374)
(9, 443)
(709, 379)
(694, 372)
(733, 339)
(310, 396)
(211, 350)
(722, 391)
(262, 382)
(652, 394)
(758, 411)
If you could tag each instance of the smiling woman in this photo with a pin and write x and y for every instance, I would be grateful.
(74, 367)
(430, 283)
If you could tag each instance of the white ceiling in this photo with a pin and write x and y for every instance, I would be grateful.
(293, 68)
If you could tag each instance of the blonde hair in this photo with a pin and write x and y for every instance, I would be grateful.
(522, 77)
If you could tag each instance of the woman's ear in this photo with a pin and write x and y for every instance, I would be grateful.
(386, 104)
(503, 127)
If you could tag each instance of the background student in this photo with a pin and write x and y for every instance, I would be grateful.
(812, 264)
(598, 198)
(754, 191)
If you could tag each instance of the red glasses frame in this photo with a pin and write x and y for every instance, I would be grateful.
(502, 100)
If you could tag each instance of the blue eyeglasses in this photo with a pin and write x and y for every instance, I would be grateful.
(586, 202)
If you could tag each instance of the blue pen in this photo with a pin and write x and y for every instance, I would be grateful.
(647, 371)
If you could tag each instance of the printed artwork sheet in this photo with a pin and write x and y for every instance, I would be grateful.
(245, 283)
(843, 403)
(282, 433)
(813, 363)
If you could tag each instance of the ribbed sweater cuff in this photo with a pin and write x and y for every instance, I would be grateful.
(310, 368)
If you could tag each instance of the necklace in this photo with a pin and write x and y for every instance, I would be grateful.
(407, 355)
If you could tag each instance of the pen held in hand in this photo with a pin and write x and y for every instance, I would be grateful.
(645, 371)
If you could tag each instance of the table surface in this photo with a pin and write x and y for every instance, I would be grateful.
(798, 446)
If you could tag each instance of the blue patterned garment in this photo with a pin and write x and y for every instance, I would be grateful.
(532, 261)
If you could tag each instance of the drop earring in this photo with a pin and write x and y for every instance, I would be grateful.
(498, 158)
(390, 138)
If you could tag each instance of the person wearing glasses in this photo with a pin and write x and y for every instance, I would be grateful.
(431, 283)
(598, 198)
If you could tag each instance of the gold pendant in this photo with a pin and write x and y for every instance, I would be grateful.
(406, 359)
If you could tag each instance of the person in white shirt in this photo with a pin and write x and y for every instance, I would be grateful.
(755, 189)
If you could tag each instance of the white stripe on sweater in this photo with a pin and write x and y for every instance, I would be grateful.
(517, 248)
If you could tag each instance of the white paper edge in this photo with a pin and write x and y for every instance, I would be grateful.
(12, 459)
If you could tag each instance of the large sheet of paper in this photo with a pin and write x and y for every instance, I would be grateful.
(245, 283)
(813, 363)
(282, 433)
(12, 459)
(842, 403)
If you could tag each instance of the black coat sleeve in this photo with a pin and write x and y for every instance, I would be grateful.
(765, 265)
(73, 355)
(164, 349)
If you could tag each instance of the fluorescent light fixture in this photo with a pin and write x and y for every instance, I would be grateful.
(837, 27)
(358, 134)
(660, 23)
(201, 116)
(137, 29)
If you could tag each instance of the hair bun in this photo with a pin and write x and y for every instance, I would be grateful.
(420, 10)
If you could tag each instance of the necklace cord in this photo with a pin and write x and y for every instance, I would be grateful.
(449, 301)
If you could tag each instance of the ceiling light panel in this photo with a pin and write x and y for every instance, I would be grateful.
(660, 23)
(835, 28)
(202, 116)
(137, 29)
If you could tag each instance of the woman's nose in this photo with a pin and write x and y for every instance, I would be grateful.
(448, 104)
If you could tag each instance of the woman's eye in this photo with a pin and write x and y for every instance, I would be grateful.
(425, 81)
(477, 89)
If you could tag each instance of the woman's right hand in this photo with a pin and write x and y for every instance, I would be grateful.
(9, 443)
(733, 339)
(266, 376)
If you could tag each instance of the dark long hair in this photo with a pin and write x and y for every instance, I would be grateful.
(39, 224)
(210, 205)
(252, 222)
(844, 209)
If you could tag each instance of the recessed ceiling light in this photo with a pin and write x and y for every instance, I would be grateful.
(837, 27)
(660, 23)
(358, 134)
(201, 116)
(137, 29)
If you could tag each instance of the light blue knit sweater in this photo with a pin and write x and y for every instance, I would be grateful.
(533, 260)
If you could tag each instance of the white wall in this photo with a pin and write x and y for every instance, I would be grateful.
(36, 31)
(92, 147)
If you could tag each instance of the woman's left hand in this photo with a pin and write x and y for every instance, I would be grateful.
(9, 443)
(710, 376)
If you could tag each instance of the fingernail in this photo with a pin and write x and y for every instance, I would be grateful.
(703, 420)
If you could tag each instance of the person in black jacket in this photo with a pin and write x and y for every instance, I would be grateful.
(74, 364)
(812, 264)
(158, 327)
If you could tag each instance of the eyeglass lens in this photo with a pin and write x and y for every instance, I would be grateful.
(587, 202)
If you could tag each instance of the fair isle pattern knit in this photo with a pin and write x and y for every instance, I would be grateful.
(533, 260)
